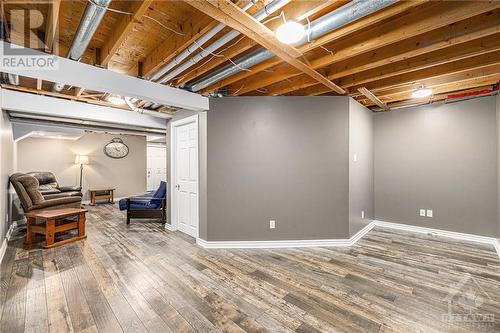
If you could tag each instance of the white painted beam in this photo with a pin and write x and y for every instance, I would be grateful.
(63, 108)
(94, 78)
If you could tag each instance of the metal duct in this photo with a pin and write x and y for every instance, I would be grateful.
(259, 16)
(92, 17)
(157, 114)
(13, 79)
(193, 47)
(348, 13)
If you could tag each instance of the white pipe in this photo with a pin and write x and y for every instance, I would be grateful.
(148, 112)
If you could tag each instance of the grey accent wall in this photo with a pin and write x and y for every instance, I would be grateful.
(441, 157)
(498, 161)
(281, 158)
(6, 168)
(360, 166)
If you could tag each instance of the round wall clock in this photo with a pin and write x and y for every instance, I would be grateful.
(116, 148)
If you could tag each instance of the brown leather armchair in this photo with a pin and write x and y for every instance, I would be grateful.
(26, 187)
(49, 187)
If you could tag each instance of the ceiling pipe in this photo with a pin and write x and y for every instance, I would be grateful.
(193, 47)
(92, 17)
(157, 114)
(342, 16)
(259, 16)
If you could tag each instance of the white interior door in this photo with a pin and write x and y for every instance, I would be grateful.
(156, 166)
(185, 175)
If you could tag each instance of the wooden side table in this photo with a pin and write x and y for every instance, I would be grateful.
(54, 221)
(105, 193)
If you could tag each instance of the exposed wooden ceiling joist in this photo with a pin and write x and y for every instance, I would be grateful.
(373, 98)
(434, 16)
(298, 10)
(123, 29)
(51, 25)
(232, 16)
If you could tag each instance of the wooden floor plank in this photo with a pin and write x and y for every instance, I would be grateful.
(143, 278)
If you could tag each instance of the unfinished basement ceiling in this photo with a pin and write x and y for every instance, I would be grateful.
(449, 46)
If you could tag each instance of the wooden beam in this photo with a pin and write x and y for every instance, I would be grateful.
(122, 29)
(372, 97)
(97, 79)
(412, 24)
(413, 56)
(232, 16)
(297, 10)
(52, 24)
(337, 34)
(79, 91)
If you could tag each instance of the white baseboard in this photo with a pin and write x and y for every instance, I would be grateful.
(284, 243)
(5, 241)
(346, 242)
(170, 227)
(442, 233)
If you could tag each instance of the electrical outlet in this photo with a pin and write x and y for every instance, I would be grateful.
(429, 212)
(355, 158)
(272, 224)
(362, 214)
(422, 212)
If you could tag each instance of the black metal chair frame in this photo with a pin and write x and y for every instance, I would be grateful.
(157, 213)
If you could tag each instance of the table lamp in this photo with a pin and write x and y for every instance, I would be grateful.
(81, 160)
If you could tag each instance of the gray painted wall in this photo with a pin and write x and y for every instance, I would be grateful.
(440, 157)
(281, 158)
(6, 168)
(360, 170)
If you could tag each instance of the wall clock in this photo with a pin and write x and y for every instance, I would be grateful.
(116, 148)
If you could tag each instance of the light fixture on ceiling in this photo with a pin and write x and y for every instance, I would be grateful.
(290, 32)
(116, 100)
(421, 93)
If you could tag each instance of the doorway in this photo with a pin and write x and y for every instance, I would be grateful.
(156, 169)
(184, 184)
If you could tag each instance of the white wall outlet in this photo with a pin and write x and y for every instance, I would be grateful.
(362, 214)
(272, 224)
(429, 212)
(355, 157)
(422, 212)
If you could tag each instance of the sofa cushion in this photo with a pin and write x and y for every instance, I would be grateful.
(31, 184)
(45, 178)
(160, 193)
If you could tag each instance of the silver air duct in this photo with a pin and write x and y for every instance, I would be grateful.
(157, 114)
(92, 17)
(193, 47)
(259, 16)
(348, 13)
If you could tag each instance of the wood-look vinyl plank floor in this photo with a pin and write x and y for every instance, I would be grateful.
(143, 278)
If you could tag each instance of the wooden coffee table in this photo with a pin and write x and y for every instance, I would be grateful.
(54, 221)
(104, 193)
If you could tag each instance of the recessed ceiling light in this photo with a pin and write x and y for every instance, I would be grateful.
(116, 100)
(290, 32)
(422, 92)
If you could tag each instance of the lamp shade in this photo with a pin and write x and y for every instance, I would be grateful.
(81, 159)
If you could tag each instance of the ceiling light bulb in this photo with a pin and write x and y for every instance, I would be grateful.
(422, 92)
(116, 100)
(290, 32)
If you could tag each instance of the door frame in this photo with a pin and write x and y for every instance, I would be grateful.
(173, 169)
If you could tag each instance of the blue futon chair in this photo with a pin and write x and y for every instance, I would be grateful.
(150, 205)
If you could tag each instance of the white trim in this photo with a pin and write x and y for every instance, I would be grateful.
(443, 233)
(79, 74)
(347, 242)
(284, 243)
(170, 227)
(173, 149)
(3, 248)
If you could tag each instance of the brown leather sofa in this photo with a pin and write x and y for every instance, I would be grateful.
(26, 187)
(49, 185)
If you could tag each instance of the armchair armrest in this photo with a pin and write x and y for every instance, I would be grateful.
(145, 198)
(56, 202)
(69, 188)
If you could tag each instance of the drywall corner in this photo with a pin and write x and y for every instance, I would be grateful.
(498, 162)
(361, 181)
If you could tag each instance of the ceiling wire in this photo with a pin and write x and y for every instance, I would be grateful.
(145, 16)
